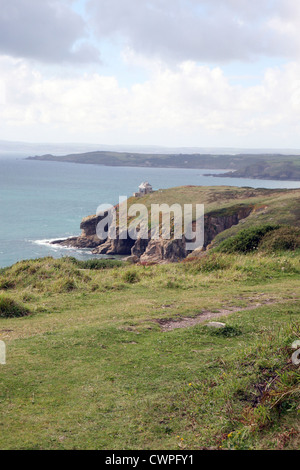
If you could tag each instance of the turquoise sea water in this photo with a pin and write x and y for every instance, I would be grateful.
(40, 201)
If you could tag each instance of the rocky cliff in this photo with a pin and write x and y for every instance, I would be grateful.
(88, 237)
(150, 250)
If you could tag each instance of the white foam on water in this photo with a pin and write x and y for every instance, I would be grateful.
(48, 242)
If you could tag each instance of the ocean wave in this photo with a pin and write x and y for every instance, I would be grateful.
(48, 243)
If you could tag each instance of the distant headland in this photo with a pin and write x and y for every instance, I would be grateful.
(259, 166)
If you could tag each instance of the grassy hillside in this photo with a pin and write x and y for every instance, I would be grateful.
(276, 206)
(106, 355)
(95, 361)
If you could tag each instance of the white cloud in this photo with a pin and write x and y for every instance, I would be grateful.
(47, 31)
(185, 105)
(201, 30)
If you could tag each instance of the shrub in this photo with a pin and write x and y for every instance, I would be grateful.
(246, 240)
(285, 238)
(11, 309)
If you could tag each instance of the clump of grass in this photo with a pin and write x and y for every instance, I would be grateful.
(246, 240)
(211, 262)
(130, 277)
(271, 395)
(283, 239)
(172, 284)
(11, 309)
(27, 297)
(7, 284)
(97, 264)
(66, 285)
(45, 274)
(226, 332)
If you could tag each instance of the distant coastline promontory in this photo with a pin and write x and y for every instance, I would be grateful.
(257, 166)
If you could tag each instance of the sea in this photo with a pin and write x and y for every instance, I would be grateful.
(44, 201)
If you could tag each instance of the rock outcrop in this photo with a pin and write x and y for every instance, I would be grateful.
(164, 250)
(155, 250)
(117, 246)
(88, 237)
(218, 221)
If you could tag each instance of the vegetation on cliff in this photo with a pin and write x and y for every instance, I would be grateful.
(102, 354)
(228, 210)
(101, 362)
(271, 238)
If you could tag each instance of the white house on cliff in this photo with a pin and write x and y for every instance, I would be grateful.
(144, 188)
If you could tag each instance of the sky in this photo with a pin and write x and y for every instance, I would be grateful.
(193, 73)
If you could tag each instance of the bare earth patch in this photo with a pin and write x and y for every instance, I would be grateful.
(169, 325)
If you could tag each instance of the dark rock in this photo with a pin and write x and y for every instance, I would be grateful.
(132, 259)
(152, 250)
(139, 247)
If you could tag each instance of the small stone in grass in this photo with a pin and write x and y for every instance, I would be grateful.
(216, 324)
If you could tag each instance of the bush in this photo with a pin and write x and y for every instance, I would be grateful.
(283, 239)
(11, 309)
(246, 240)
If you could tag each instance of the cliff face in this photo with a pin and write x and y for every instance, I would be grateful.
(88, 237)
(150, 250)
(175, 250)
(217, 222)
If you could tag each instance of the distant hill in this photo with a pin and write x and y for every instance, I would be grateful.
(262, 166)
(268, 170)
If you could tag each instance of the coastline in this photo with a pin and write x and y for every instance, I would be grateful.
(274, 167)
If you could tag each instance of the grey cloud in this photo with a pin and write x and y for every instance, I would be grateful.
(210, 30)
(46, 30)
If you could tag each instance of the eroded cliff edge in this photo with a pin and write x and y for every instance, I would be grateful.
(154, 250)
(227, 209)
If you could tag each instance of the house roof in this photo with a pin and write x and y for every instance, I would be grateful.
(144, 185)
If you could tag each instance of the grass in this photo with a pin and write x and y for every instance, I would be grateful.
(246, 240)
(90, 367)
(283, 239)
(11, 309)
(270, 238)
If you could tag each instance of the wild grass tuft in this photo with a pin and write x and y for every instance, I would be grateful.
(11, 309)
(130, 276)
(97, 264)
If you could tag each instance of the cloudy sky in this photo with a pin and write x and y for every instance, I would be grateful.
(218, 73)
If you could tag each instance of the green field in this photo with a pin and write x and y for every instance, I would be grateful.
(94, 362)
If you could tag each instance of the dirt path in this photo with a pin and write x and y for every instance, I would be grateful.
(168, 325)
